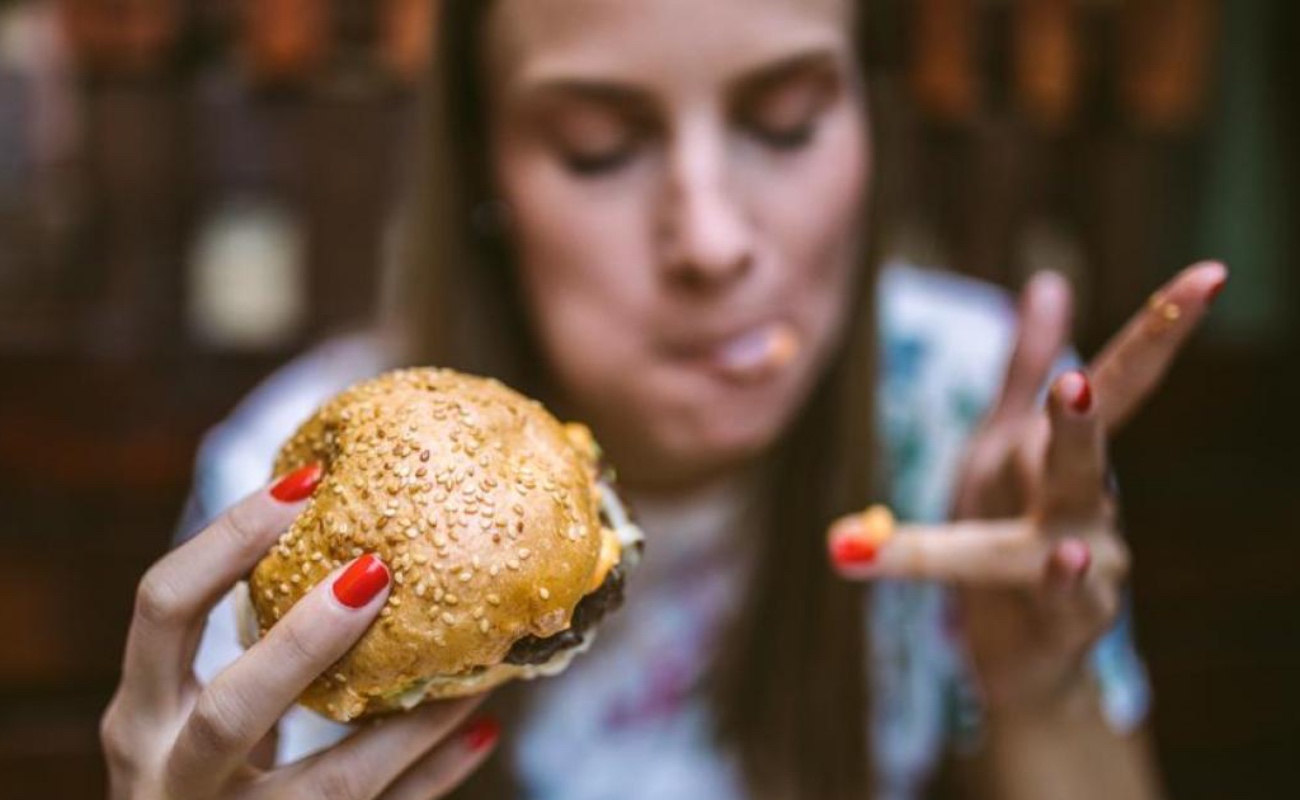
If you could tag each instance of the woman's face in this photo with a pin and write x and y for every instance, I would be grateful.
(684, 180)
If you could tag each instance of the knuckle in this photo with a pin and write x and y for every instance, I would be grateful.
(113, 739)
(339, 784)
(297, 645)
(1118, 562)
(1108, 606)
(214, 725)
(246, 527)
(159, 600)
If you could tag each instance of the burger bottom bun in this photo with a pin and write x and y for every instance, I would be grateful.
(442, 687)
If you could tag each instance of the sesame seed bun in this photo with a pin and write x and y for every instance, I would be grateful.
(486, 509)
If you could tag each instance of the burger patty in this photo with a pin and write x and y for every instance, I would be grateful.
(589, 611)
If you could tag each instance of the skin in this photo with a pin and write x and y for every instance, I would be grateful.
(167, 736)
(662, 163)
(680, 175)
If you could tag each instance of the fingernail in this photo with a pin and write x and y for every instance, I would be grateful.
(1079, 395)
(853, 551)
(359, 583)
(481, 734)
(1074, 558)
(298, 484)
(1216, 287)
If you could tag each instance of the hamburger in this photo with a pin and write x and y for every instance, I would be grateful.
(503, 531)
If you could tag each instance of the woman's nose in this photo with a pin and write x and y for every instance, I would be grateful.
(709, 241)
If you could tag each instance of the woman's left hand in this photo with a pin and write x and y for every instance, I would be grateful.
(1036, 552)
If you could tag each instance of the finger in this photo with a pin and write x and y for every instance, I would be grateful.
(1075, 466)
(1136, 359)
(448, 765)
(1044, 327)
(1078, 603)
(175, 595)
(368, 762)
(1000, 552)
(246, 699)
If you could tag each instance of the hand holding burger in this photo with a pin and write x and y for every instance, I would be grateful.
(504, 534)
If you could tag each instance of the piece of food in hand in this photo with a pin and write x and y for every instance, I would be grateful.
(863, 538)
(506, 539)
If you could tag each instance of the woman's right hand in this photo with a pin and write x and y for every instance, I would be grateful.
(167, 736)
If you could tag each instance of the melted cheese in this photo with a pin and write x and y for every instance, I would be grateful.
(610, 551)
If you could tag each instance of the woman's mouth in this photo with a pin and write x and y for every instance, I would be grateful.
(751, 355)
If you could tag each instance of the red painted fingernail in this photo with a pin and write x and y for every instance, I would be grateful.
(1081, 402)
(359, 583)
(1077, 556)
(298, 484)
(1215, 288)
(853, 551)
(482, 733)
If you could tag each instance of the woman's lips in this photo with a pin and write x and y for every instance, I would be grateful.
(753, 354)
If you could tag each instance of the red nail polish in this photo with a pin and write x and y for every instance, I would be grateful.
(1077, 556)
(482, 733)
(298, 484)
(853, 551)
(1082, 400)
(359, 583)
(1215, 288)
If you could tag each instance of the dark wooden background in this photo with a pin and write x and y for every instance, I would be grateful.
(103, 392)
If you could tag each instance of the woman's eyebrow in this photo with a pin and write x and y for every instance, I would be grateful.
(604, 92)
(823, 60)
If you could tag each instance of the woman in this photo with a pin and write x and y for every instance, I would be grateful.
(650, 215)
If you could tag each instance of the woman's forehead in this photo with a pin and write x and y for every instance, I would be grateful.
(640, 41)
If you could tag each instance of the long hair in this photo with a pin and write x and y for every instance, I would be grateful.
(789, 685)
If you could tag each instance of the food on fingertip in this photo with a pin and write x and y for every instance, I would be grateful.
(503, 531)
(857, 540)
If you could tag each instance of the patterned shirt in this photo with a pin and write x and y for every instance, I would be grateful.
(632, 700)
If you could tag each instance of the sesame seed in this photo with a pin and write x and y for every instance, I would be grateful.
(451, 599)
(544, 593)
(421, 558)
(524, 552)
(465, 575)
(483, 625)
(448, 618)
(420, 589)
(494, 599)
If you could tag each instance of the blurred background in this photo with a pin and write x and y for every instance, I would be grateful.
(191, 191)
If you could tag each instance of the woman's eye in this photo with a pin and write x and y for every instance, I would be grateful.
(787, 137)
(598, 163)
